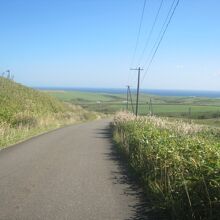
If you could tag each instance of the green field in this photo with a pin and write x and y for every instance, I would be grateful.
(181, 107)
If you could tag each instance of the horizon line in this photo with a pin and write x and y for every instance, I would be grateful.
(121, 88)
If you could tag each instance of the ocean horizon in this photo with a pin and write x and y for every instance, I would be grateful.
(159, 92)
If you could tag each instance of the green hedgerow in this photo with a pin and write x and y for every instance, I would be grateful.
(178, 163)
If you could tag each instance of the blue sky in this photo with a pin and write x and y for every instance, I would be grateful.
(89, 43)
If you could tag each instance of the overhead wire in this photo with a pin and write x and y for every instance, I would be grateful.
(150, 33)
(138, 37)
(161, 35)
(139, 32)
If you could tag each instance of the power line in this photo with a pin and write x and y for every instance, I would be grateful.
(139, 32)
(150, 33)
(161, 35)
(156, 46)
(161, 31)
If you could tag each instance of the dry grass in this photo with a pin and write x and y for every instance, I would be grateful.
(178, 163)
(26, 125)
(25, 112)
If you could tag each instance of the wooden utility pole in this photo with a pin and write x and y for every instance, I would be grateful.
(129, 93)
(138, 88)
(127, 97)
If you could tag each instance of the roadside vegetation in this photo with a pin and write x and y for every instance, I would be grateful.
(178, 163)
(25, 112)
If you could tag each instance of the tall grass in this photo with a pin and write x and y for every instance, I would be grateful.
(178, 163)
(25, 112)
(25, 126)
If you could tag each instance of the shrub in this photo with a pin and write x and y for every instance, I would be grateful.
(24, 120)
(178, 163)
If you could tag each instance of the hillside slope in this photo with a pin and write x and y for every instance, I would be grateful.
(25, 112)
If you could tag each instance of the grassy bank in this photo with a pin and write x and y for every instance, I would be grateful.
(178, 163)
(25, 112)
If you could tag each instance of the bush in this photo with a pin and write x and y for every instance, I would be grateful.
(178, 163)
(24, 120)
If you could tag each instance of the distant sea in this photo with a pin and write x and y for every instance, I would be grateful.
(160, 92)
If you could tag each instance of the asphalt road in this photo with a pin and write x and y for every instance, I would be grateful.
(70, 173)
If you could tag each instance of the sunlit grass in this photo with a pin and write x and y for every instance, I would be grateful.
(178, 163)
(25, 112)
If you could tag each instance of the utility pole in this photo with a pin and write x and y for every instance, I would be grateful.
(131, 99)
(138, 88)
(129, 93)
(127, 96)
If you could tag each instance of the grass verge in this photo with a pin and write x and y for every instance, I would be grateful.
(178, 163)
(30, 126)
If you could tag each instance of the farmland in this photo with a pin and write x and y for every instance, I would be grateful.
(203, 110)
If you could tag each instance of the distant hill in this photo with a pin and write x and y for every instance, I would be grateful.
(25, 112)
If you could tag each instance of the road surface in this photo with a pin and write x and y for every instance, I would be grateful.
(70, 173)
